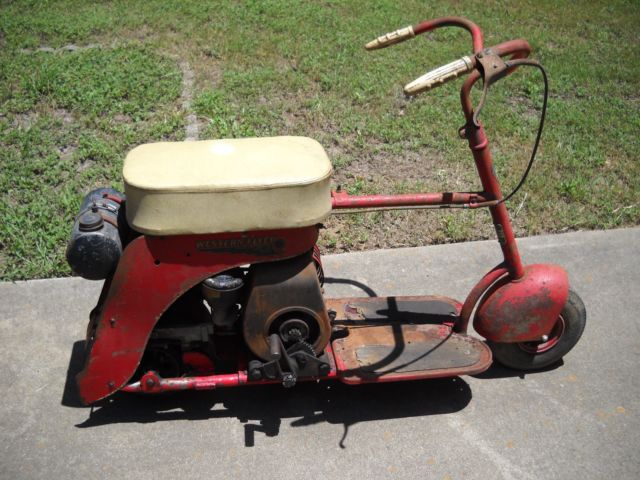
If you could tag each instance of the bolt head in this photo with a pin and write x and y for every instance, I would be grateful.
(288, 380)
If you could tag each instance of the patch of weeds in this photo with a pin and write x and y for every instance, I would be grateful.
(126, 80)
(574, 189)
(453, 227)
(340, 161)
(359, 186)
(68, 119)
(225, 119)
(409, 187)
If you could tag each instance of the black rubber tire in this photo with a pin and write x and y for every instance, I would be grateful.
(513, 356)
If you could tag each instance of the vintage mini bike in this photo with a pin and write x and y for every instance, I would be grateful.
(213, 277)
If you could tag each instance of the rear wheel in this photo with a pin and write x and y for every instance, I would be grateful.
(562, 338)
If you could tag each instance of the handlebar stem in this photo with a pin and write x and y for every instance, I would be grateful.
(479, 145)
(516, 48)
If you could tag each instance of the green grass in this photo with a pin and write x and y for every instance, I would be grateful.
(64, 129)
(273, 67)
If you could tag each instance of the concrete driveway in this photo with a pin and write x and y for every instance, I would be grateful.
(579, 420)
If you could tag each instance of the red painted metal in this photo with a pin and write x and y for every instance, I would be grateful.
(476, 33)
(519, 306)
(475, 295)
(523, 310)
(340, 200)
(544, 346)
(198, 362)
(514, 49)
(479, 145)
(151, 382)
(484, 164)
(152, 273)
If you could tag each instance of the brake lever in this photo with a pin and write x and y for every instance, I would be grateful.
(492, 68)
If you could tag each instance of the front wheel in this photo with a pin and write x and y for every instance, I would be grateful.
(562, 338)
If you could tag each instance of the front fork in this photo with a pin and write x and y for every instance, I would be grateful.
(512, 303)
(479, 145)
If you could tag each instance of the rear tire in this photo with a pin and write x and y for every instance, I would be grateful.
(537, 355)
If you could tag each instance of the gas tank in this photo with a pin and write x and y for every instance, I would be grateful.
(95, 246)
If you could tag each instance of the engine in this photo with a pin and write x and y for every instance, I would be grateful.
(203, 331)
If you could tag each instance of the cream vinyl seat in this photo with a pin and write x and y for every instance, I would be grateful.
(178, 188)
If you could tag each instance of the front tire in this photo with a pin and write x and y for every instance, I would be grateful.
(562, 338)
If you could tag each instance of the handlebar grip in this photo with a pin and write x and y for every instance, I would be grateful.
(439, 76)
(398, 36)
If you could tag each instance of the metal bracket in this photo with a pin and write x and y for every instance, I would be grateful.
(492, 68)
(287, 365)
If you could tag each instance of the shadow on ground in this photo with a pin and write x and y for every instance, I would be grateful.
(262, 409)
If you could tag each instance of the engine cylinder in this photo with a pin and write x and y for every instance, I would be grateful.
(222, 293)
(95, 246)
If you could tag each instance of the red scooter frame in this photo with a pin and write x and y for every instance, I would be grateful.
(512, 303)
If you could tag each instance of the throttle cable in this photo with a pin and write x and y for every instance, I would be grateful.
(492, 203)
(530, 63)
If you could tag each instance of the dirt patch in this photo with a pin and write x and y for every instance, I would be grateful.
(191, 121)
(64, 115)
(208, 72)
(72, 47)
(379, 170)
(387, 168)
(24, 121)
(525, 105)
(67, 151)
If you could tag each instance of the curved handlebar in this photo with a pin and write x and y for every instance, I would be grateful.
(472, 28)
(406, 33)
(516, 49)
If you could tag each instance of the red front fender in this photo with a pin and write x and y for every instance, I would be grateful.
(523, 310)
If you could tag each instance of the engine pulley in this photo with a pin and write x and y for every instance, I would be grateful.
(285, 298)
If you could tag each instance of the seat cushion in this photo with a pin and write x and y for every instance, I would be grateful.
(212, 186)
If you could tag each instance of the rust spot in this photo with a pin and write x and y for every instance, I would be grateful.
(353, 313)
(387, 352)
(523, 310)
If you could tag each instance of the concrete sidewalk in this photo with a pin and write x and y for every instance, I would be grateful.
(580, 420)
